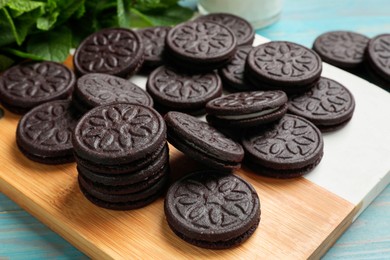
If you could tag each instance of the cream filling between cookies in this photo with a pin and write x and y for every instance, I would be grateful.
(249, 116)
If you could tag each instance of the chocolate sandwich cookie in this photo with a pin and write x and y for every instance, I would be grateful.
(114, 51)
(119, 133)
(28, 85)
(377, 57)
(329, 105)
(247, 109)
(241, 28)
(342, 49)
(44, 133)
(175, 90)
(154, 44)
(212, 210)
(96, 89)
(289, 148)
(232, 74)
(284, 66)
(200, 46)
(203, 142)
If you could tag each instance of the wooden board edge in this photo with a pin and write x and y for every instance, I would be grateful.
(336, 233)
(36, 211)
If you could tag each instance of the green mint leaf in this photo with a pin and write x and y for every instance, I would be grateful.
(46, 23)
(24, 5)
(7, 28)
(171, 16)
(5, 62)
(53, 45)
(21, 54)
(3, 3)
(139, 20)
(123, 13)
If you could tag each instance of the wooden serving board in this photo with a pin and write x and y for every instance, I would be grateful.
(301, 218)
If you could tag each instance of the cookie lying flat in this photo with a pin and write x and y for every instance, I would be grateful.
(241, 28)
(289, 148)
(232, 74)
(342, 49)
(329, 105)
(154, 43)
(212, 210)
(175, 90)
(200, 46)
(377, 57)
(114, 51)
(247, 109)
(96, 89)
(285, 66)
(28, 85)
(44, 134)
(202, 142)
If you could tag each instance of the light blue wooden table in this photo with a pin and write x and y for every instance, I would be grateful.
(24, 237)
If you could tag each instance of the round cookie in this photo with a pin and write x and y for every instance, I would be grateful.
(329, 105)
(377, 56)
(114, 51)
(342, 49)
(284, 66)
(174, 90)
(200, 45)
(241, 28)
(28, 85)
(203, 142)
(119, 133)
(44, 133)
(247, 109)
(212, 210)
(289, 148)
(96, 89)
(232, 74)
(154, 44)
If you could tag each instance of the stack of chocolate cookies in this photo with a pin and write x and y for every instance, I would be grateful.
(122, 155)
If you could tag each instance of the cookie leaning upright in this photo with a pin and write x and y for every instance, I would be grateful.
(114, 51)
(211, 209)
(200, 46)
(122, 156)
(285, 66)
(202, 142)
(377, 59)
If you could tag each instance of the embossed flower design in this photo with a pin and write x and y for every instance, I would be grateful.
(52, 126)
(344, 45)
(286, 140)
(154, 41)
(105, 52)
(237, 64)
(213, 203)
(202, 38)
(37, 80)
(382, 51)
(184, 87)
(117, 129)
(284, 59)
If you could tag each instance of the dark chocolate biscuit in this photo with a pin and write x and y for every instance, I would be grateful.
(154, 43)
(200, 45)
(96, 89)
(289, 148)
(378, 56)
(118, 133)
(232, 74)
(125, 193)
(128, 205)
(328, 105)
(212, 210)
(44, 133)
(175, 90)
(203, 142)
(115, 51)
(247, 109)
(241, 28)
(282, 65)
(27, 85)
(341, 48)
